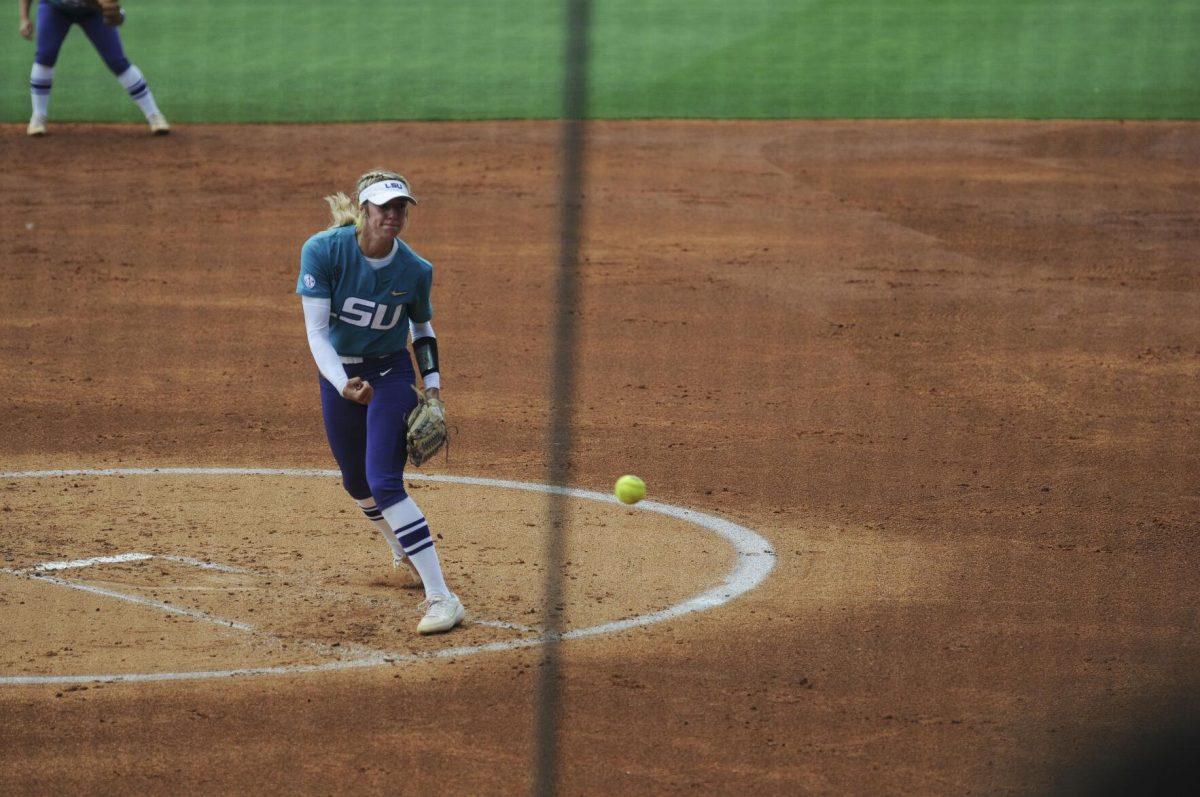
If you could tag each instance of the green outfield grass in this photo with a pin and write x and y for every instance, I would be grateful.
(315, 61)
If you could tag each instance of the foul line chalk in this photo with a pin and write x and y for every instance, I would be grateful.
(95, 560)
(755, 560)
(135, 557)
(195, 614)
(203, 565)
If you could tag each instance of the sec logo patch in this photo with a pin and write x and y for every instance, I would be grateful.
(310, 282)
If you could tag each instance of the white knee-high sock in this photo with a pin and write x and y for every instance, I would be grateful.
(371, 510)
(134, 83)
(412, 532)
(41, 79)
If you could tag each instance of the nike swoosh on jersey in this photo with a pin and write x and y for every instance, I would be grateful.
(399, 293)
(385, 373)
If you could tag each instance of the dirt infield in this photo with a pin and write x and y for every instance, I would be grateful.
(949, 371)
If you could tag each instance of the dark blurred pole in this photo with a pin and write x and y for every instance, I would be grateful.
(562, 389)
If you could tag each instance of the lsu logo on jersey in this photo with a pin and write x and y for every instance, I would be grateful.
(365, 313)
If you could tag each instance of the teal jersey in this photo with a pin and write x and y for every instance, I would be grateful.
(369, 308)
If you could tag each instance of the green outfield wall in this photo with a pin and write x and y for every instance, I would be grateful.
(355, 60)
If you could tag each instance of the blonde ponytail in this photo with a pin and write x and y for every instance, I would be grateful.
(344, 210)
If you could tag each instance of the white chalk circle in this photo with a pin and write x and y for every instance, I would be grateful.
(754, 562)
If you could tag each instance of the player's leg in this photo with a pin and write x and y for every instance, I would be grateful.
(404, 572)
(107, 42)
(346, 430)
(386, 453)
(52, 28)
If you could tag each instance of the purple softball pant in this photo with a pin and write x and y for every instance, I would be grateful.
(53, 26)
(369, 442)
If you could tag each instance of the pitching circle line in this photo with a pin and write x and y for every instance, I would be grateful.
(755, 560)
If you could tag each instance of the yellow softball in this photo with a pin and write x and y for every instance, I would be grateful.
(630, 489)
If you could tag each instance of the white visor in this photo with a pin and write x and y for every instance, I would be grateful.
(385, 191)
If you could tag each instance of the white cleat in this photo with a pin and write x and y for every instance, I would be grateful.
(405, 573)
(37, 125)
(442, 612)
(158, 124)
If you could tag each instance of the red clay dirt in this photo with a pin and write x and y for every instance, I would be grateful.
(948, 369)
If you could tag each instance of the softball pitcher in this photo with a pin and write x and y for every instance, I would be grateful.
(99, 20)
(364, 291)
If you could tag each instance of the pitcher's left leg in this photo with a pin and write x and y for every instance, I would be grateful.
(386, 454)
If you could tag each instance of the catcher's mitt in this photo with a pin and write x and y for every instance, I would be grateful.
(111, 11)
(426, 428)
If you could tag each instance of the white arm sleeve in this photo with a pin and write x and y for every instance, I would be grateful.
(425, 330)
(316, 321)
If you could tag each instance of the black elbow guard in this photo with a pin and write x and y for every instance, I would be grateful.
(426, 354)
